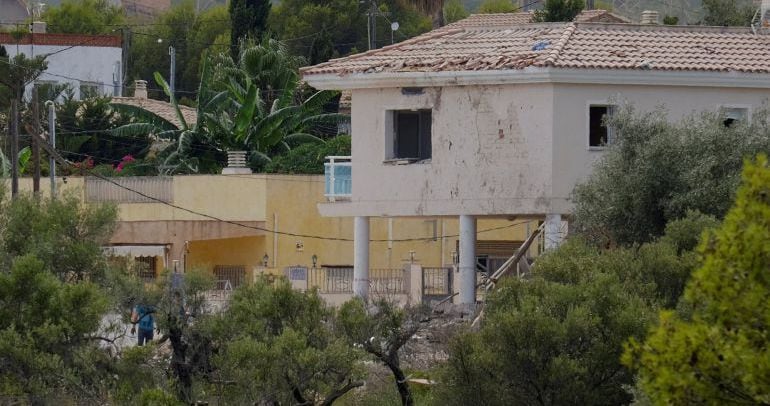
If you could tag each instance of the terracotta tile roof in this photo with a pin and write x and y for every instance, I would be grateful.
(600, 16)
(85, 40)
(161, 108)
(525, 17)
(499, 42)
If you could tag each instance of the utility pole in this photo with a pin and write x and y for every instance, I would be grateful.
(372, 25)
(52, 139)
(14, 147)
(172, 54)
(35, 145)
(372, 14)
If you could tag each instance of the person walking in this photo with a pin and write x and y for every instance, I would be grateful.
(142, 315)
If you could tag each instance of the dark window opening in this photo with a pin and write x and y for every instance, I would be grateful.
(145, 268)
(599, 134)
(412, 134)
(734, 115)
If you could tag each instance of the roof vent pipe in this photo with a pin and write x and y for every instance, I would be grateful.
(649, 17)
(37, 27)
(140, 89)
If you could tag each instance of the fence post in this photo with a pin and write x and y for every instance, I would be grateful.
(332, 178)
(415, 281)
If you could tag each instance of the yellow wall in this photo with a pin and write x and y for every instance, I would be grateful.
(246, 251)
(291, 208)
(287, 203)
(73, 185)
(228, 197)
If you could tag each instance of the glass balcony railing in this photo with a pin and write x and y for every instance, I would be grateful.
(339, 181)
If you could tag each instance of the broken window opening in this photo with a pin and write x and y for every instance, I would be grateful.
(599, 134)
(412, 138)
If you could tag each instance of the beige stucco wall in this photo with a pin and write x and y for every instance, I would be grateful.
(572, 158)
(497, 150)
(491, 153)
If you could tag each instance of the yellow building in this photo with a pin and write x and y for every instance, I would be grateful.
(235, 225)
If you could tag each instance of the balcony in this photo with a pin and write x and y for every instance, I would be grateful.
(338, 175)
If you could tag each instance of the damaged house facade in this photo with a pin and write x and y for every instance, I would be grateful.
(496, 117)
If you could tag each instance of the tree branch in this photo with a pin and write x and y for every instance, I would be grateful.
(341, 391)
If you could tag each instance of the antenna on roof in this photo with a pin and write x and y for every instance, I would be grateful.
(761, 18)
(37, 11)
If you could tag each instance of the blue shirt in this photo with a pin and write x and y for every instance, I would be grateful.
(146, 322)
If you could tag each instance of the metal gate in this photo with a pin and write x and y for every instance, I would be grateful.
(229, 277)
(436, 284)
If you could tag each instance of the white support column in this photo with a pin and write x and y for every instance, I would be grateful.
(467, 278)
(554, 234)
(361, 259)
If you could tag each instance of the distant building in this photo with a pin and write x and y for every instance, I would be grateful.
(145, 8)
(13, 12)
(89, 64)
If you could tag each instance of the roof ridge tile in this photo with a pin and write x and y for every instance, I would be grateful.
(553, 55)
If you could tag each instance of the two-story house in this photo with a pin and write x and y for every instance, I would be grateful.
(90, 64)
(492, 117)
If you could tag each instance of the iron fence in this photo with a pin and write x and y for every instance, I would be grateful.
(123, 189)
(229, 277)
(331, 280)
(389, 280)
(340, 280)
(436, 282)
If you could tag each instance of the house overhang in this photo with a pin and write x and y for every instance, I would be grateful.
(730, 79)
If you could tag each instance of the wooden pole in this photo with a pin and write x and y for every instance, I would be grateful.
(35, 144)
(14, 147)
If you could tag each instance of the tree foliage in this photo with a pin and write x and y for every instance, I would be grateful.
(84, 128)
(310, 157)
(728, 12)
(233, 113)
(557, 337)
(45, 332)
(64, 234)
(50, 307)
(248, 19)
(281, 345)
(657, 171)
(84, 17)
(496, 6)
(321, 30)
(559, 10)
(717, 352)
(454, 10)
(193, 35)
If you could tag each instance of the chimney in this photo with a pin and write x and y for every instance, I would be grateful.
(236, 163)
(140, 89)
(649, 17)
(37, 27)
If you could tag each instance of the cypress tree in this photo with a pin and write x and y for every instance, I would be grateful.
(248, 18)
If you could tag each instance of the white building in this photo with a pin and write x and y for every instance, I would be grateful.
(492, 117)
(90, 64)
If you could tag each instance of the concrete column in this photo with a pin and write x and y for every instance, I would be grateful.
(361, 259)
(415, 284)
(467, 280)
(554, 234)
